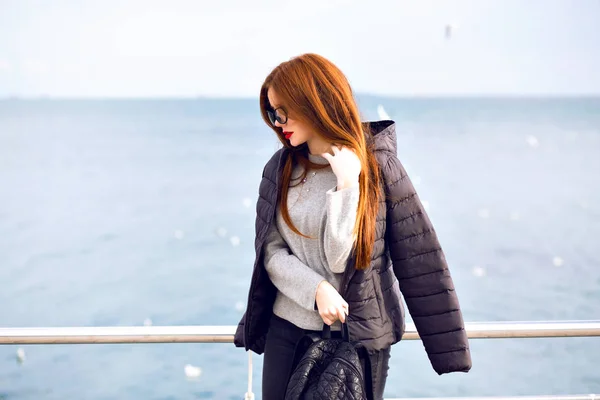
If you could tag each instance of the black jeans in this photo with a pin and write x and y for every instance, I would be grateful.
(279, 355)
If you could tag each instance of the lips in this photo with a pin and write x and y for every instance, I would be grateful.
(287, 134)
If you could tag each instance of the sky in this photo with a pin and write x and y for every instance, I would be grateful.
(225, 48)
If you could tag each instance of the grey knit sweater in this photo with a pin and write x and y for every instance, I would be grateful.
(297, 265)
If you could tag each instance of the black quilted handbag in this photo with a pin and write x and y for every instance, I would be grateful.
(328, 368)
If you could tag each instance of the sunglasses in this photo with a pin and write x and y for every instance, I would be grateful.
(277, 115)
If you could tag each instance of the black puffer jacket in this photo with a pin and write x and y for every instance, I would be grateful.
(406, 256)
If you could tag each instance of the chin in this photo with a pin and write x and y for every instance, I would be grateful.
(294, 142)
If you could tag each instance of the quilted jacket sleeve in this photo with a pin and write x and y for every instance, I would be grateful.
(422, 271)
(238, 337)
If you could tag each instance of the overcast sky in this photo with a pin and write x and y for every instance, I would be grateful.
(135, 48)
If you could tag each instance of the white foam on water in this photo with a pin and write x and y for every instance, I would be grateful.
(240, 306)
(192, 371)
(478, 271)
(557, 261)
(382, 113)
(532, 141)
(20, 355)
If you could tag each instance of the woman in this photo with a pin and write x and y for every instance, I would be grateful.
(340, 231)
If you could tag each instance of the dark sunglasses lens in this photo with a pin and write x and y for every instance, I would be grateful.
(281, 117)
(271, 116)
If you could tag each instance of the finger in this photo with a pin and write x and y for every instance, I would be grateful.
(336, 149)
(341, 314)
(327, 156)
(332, 312)
(325, 312)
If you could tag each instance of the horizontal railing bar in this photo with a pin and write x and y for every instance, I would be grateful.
(224, 334)
(549, 397)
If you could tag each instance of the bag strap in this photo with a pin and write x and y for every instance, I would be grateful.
(326, 332)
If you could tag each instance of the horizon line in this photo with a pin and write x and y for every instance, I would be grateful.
(357, 95)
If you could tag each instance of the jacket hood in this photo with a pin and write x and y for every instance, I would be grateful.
(384, 135)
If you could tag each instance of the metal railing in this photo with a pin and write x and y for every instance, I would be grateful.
(567, 397)
(224, 334)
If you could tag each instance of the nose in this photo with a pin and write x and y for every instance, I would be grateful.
(279, 125)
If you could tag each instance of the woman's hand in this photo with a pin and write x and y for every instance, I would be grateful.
(330, 304)
(345, 164)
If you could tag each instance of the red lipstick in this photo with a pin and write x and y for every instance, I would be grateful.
(287, 134)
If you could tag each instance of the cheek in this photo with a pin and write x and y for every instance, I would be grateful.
(305, 133)
(300, 129)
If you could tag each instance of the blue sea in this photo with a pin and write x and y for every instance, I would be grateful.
(113, 212)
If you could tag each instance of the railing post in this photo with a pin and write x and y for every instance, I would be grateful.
(249, 395)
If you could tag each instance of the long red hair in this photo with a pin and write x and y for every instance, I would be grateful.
(313, 90)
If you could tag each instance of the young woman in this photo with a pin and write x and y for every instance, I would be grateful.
(340, 231)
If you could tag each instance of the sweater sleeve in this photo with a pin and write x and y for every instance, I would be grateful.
(341, 208)
(290, 276)
(423, 274)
